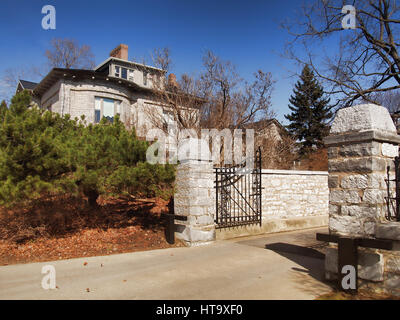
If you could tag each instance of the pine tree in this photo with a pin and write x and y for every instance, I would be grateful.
(310, 112)
(32, 155)
(43, 153)
(3, 109)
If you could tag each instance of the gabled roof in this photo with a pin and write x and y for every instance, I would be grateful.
(29, 85)
(262, 124)
(25, 85)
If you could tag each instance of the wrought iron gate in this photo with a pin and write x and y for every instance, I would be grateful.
(393, 202)
(238, 194)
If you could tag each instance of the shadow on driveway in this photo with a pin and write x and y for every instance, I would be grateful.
(299, 255)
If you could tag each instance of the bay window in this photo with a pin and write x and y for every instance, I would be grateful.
(107, 108)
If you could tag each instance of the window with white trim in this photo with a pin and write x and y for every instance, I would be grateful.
(107, 108)
(124, 73)
(117, 71)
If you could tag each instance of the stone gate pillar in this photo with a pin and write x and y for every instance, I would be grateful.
(195, 198)
(361, 144)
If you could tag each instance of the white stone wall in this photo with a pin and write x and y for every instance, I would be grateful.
(289, 193)
(52, 99)
(291, 200)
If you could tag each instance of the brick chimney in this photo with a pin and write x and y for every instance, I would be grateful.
(120, 52)
(172, 81)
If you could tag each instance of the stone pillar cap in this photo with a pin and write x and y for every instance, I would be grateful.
(362, 117)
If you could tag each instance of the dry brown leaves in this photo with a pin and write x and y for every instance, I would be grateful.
(121, 226)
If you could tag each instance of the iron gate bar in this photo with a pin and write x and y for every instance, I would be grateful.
(238, 194)
(244, 199)
(393, 202)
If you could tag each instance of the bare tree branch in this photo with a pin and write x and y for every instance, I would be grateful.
(67, 53)
(367, 60)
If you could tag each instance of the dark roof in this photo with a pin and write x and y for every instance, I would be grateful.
(126, 63)
(29, 85)
(79, 74)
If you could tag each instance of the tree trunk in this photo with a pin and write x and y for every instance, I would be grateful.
(92, 198)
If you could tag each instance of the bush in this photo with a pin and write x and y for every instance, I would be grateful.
(44, 153)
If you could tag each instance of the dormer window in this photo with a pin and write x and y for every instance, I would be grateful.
(121, 72)
(124, 73)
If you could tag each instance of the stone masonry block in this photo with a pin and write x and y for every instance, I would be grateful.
(191, 234)
(345, 225)
(360, 165)
(392, 282)
(362, 117)
(360, 149)
(389, 230)
(370, 266)
(331, 260)
(357, 181)
(376, 180)
(393, 264)
(359, 211)
(374, 196)
(332, 152)
(205, 220)
(344, 196)
(390, 150)
(369, 228)
(333, 181)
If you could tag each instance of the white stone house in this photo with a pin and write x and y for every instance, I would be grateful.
(115, 86)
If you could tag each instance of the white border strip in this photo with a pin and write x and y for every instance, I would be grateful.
(294, 172)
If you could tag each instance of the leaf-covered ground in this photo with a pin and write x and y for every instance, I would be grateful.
(361, 295)
(117, 226)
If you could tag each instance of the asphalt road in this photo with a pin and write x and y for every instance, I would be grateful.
(276, 266)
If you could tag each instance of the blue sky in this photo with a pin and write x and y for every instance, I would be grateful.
(244, 32)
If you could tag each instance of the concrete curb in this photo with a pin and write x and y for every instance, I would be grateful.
(272, 226)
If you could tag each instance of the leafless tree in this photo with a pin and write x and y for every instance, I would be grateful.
(179, 101)
(63, 53)
(230, 101)
(68, 53)
(216, 99)
(11, 77)
(388, 99)
(162, 58)
(367, 58)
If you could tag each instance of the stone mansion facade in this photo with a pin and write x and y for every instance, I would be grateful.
(116, 86)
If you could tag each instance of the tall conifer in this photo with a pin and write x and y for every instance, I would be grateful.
(310, 112)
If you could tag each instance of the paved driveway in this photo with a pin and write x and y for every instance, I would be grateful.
(277, 266)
